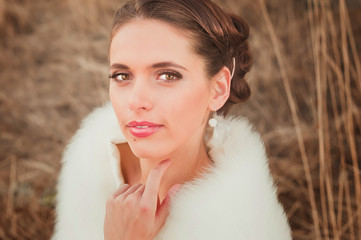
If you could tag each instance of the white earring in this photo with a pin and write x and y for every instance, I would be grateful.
(213, 122)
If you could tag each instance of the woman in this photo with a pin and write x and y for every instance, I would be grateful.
(148, 166)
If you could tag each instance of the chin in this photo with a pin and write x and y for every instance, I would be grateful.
(148, 150)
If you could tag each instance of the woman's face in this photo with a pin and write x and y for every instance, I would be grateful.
(159, 90)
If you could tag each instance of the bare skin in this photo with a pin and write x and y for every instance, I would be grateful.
(134, 212)
(135, 170)
(156, 82)
(137, 204)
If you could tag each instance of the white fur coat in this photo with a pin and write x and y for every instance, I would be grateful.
(235, 200)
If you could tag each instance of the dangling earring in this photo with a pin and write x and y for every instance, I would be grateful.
(213, 121)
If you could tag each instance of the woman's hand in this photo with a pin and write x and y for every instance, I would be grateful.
(134, 212)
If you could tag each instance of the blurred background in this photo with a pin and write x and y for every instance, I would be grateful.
(306, 102)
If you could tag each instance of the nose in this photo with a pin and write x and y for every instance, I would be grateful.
(140, 96)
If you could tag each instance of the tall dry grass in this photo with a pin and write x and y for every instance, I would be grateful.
(306, 102)
(336, 75)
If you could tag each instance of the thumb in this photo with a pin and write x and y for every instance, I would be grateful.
(163, 210)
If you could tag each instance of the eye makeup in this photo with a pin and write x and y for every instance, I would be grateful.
(120, 76)
(168, 75)
(165, 75)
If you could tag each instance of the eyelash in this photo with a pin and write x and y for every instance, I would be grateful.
(176, 75)
(115, 75)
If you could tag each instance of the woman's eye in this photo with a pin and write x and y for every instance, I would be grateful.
(121, 77)
(169, 76)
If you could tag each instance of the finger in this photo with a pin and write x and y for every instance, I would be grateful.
(121, 190)
(162, 213)
(140, 190)
(150, 195)
(131, 190)
(163, 210)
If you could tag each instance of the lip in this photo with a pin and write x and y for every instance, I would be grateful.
(143, 129)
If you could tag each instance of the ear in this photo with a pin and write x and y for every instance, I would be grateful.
(220, 84)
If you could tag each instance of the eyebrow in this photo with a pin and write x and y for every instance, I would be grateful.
(118, 66)
(168, 64)
(156, 65)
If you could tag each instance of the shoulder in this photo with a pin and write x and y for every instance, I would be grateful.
(100, 123)
(91, 142)
(94, 134)
(235, 144)
(86, 178)
(237, 198)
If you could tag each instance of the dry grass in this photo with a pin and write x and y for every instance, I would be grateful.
(306, 102)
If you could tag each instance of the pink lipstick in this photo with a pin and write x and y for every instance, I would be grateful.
(143, 129)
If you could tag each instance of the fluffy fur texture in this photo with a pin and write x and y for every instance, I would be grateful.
(236, 199)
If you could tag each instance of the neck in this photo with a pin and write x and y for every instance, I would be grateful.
(186, 165)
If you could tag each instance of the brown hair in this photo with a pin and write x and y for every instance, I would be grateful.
(218, 36)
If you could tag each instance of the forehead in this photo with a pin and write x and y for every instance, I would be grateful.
(147, 41)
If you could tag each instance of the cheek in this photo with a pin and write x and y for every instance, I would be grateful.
(113, 97)
(117, 101)
(189, 107)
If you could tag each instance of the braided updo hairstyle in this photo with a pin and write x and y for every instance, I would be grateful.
(217, 36)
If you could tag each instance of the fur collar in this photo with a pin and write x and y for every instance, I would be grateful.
(236, 199)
